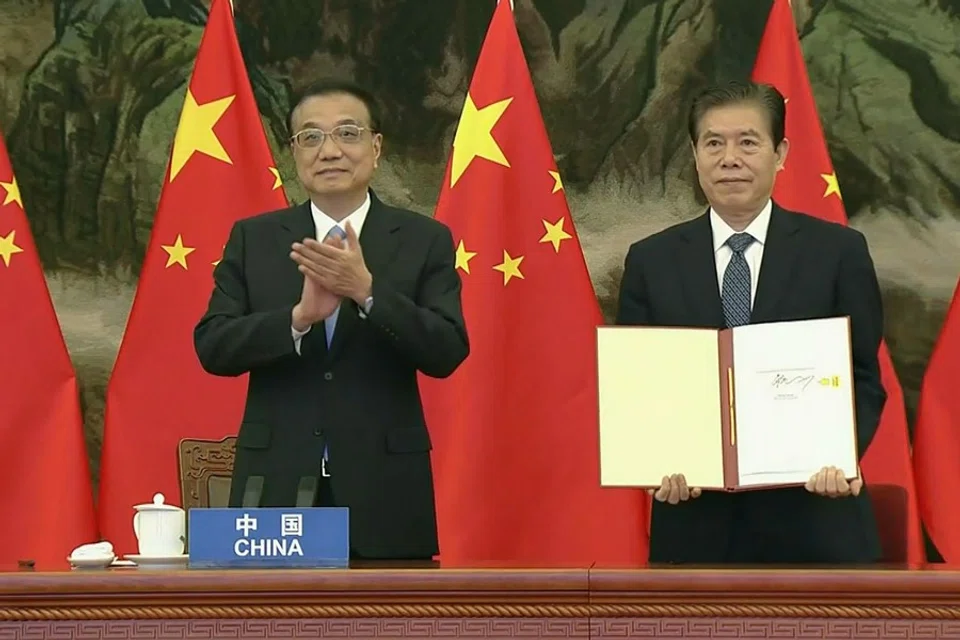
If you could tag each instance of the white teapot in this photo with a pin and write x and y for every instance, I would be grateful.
(160, 528)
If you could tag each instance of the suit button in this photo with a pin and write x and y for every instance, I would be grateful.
(328, 376)
(317, 432)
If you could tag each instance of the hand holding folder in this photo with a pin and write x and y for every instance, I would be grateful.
(829, 481)
(674, 490)
(832, 482)
(763, 405)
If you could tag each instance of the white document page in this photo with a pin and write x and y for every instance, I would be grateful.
(659, 406)
(793, 398)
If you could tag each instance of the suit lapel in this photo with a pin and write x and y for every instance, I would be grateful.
(780, 252)
(699, 273)
(379, 242)
(296, 225)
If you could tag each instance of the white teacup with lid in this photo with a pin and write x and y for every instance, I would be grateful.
(160, 528)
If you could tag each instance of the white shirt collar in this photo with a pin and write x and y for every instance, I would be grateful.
(757, 228)
(324, 223)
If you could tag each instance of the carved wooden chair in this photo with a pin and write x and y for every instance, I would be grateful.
(205, 470)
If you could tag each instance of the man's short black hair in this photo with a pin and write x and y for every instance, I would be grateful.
(765, 96)
(332, 86)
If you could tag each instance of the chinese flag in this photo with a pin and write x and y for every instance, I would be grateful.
(515, 428)
(46, 496)
(936, 441)
(220, 170)
(809, 184)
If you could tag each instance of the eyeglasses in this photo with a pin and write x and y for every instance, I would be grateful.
(341, 134)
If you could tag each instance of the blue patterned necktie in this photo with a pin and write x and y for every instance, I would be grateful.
(735, 293)
(330, 323)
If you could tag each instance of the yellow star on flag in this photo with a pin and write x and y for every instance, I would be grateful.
(177, 253)
(474, 138)
(221, 256)
(557, 184)
(464, 257)
(277, 182)
(13, 192)
(555, 233)
(832, 185)
(195, 132)
(8, 248)
(510, 268)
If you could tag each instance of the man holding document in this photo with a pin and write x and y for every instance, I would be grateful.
(798, 306)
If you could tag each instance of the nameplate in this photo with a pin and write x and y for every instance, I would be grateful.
(269, 538)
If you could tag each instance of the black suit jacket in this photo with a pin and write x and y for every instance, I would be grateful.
(360, 397)
(810, 269)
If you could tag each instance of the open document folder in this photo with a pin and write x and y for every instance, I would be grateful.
(755, 406)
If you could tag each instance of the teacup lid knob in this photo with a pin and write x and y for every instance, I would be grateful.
(158, 498)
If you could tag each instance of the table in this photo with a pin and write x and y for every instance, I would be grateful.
(481, 603)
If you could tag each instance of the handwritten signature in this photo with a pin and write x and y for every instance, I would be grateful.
(781, 381)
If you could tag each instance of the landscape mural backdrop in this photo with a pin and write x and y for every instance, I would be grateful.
(90, 93)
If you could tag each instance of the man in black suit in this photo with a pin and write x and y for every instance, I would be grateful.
(747, 260)
(332, 307)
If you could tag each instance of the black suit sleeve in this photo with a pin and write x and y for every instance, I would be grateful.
(858, 296)
(430, 330)
(229, 339)
(633, 307)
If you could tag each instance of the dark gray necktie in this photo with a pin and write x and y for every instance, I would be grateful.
(735, 293)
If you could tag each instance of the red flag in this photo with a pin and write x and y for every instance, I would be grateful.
(515, 428)
(936, 440)
(220, 170)
(808, 184)
(47, 497)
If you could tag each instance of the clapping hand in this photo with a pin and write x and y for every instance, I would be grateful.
(338, 269)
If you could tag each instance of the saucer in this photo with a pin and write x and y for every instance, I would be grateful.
(91, 563)
(123, 563)
(158, 562)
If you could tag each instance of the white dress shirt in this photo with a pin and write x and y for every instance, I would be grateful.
(322, 223)
(754, 253)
